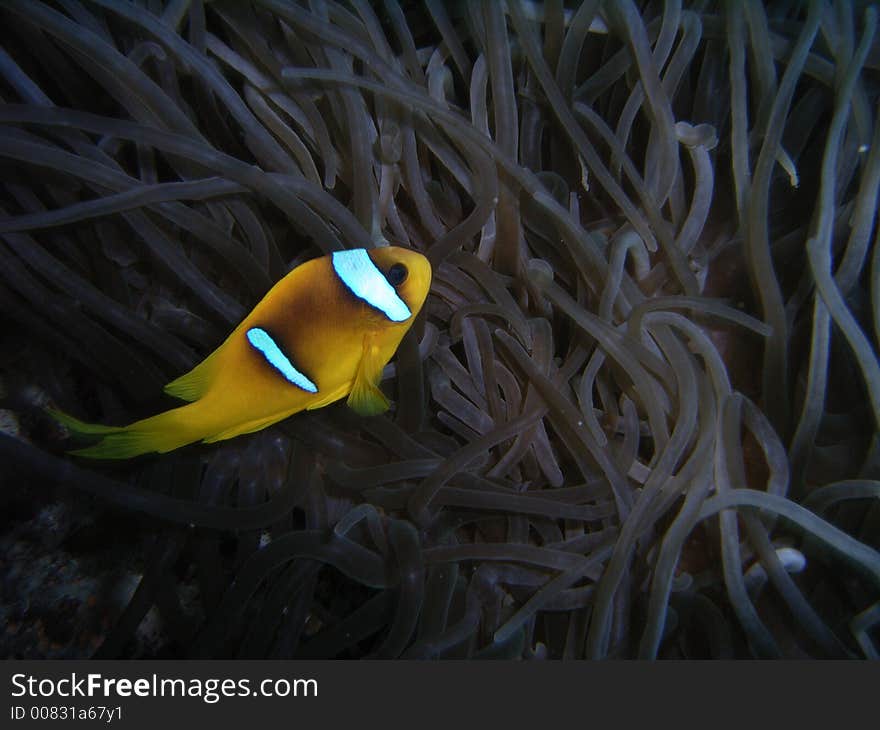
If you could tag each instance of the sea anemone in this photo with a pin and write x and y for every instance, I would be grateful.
(638, 415)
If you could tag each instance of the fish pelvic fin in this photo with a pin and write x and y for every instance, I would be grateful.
(365, 398)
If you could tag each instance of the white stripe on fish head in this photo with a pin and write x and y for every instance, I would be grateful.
(362, 277)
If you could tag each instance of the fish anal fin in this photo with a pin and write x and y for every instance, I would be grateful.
(365, 398)
(193, 385)
(248, 427)
(123, 445)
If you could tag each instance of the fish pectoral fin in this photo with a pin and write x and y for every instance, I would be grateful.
(365, 398)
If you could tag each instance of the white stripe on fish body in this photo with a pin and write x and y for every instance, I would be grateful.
(362, 277)
(267, 347)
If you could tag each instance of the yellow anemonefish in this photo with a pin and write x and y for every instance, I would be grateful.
(325, 331)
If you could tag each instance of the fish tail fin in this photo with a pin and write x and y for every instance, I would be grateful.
(74, 425)
(163, 432)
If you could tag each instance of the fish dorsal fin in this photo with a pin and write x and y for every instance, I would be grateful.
(194, 384)
(365, 398)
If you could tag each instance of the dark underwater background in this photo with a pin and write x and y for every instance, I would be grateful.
(638, 416)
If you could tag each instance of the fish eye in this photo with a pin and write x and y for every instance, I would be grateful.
(397, 274)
